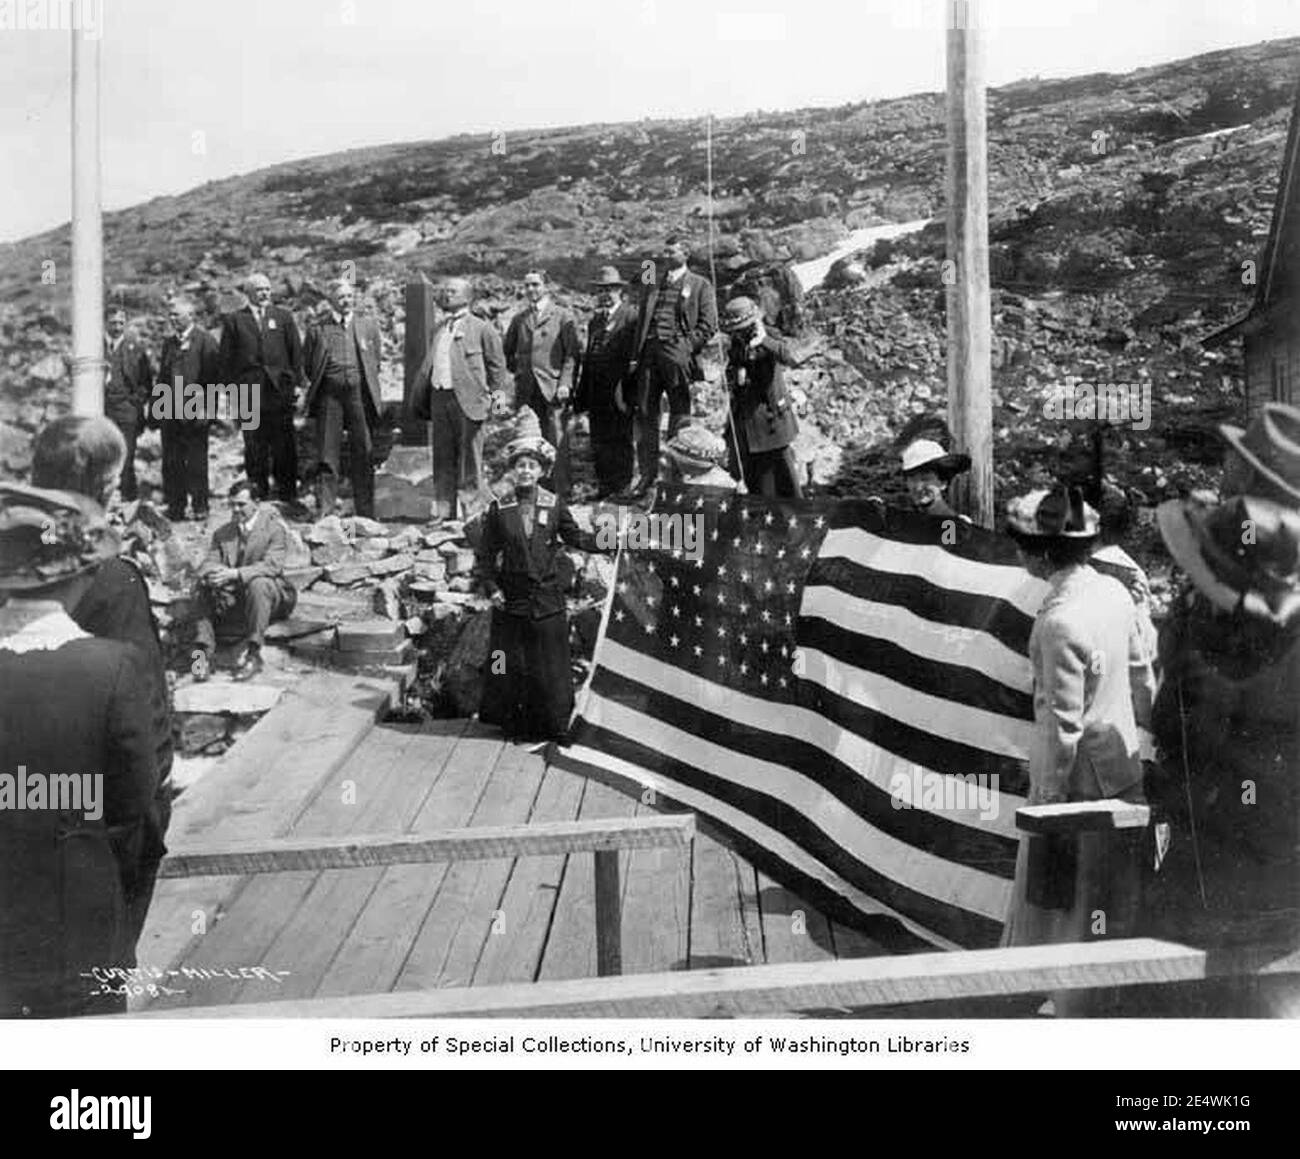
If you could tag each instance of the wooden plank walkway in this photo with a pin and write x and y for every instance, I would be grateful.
(340, 932)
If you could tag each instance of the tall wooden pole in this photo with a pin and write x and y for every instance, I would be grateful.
(970, 409)
(88, 363)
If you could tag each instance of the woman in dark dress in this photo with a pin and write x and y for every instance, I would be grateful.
(528, 678)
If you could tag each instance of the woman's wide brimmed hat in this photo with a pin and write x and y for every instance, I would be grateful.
(696, 448)
(1060, 513)
(1243, 553)
(49, 536)
(738, 313)
(927, 455)
(528, 441)
(608, 276)
(1271, 446)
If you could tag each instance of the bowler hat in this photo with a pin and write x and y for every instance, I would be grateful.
(1271, 446)
(1243, 553)
(47, 536)
(739, 312)
(608, 276)
(927, 455)
(1060, 513)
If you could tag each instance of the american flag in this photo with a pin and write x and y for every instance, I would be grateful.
(816, 668)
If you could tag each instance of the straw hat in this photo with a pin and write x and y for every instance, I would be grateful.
(738, 313)
(1059, 513)
(528, 441)
(927, 455)
(1243, 553)
(696, 448)
(1271, 446)
(48, 536)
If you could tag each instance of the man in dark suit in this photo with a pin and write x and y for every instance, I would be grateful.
(242, 586)
(678, 315)
(762, 417)
(342, 359)
(76, 708)
(460, 383)
(128, 382)
(260, 345)
(605, 385)
(542, 351)
(190, 356)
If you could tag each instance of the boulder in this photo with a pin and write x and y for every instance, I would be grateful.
(327, 530)
(386, 600)
(49, 371)
(15, 450)
(299, 554)
(361, 527)
(392, 565)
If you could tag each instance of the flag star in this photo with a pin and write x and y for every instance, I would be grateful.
(819, 522)
(699, 563)
(699, 502)
(713, 537)
(768, 585)
(780, 553)
(804, 553)
(758, 547)
(676, 610)
(767, 616)
(744, 514)
(649, 629)
(724, 506)
(792, 522)
(744, 637)
(767, 519)
(764, 645)
(674, 581)
(695, 588)
(674, 640)
(622, 587)
(618, 615)
(785, 651)
(722, 660)
(650, 601)
(722, 598)
(698, 650)
(744, 577)
(699, 623)
(744, 609)
(650, 567)
(722, 633)
(786, 617)
(722, 570)
(781, 681)
(762, 679)
(789, 588)
(744, 669)
(736, 542)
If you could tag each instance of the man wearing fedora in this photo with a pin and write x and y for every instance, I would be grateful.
(459, 384)
(528, 680)
(763, 422)
(77, 708)
(605, 384)
(1227, 729)
(928, 471)
(1092, 688)
(676, 317)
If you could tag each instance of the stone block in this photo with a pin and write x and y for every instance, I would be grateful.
(392, 565)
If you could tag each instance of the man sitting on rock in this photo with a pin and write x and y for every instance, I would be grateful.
(242, 587)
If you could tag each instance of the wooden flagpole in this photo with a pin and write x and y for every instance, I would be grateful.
(966, 274)
(88, 364)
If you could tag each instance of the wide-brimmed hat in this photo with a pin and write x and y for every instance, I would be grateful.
(47, 536)
(696, 448)
(608, 276)
(1060, 513)
(739, 312)
(1244, 552)
(927, 455)
(1271, 446)
(528, 441)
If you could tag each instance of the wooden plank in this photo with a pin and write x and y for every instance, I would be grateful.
(657, 906)
(528, 905)
(793, 931)
(609, 915)
(1082, 817)
(475, 844)
(570, 950)
(767, 990)
(726, 927)
(258, 789)
(468, 903)
(373, 953)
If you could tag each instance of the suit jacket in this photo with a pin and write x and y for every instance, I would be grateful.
(1090, 668)
(368, 347)
(66, 878)
(543, 350)
(270, 355)
(531, 570)
(607, 358)
(697, 313)
(128, 380)
(759, 402)
(263, 553)
(478, 367)
(196, 360)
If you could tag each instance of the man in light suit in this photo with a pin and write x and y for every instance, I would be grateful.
(260, 344)
(128, 382)
(542, 351)
(460, 383)
(342, 361)
(191, 354)
(241, 582)
(678, 315)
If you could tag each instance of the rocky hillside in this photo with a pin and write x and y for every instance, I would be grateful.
(1122, 208)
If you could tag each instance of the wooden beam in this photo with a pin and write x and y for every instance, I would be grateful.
(765, 990)
(609, 918)
(88, 363)
(1082, 817)
(966, 273)
(311, 853)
